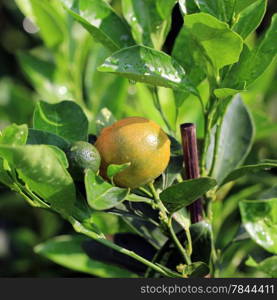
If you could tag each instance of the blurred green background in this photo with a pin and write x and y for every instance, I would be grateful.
(34, 66)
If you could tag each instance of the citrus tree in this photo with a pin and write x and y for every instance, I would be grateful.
(105, 150)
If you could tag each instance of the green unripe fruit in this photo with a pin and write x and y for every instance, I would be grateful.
(82, 155)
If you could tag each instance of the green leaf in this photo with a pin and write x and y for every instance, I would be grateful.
(269, 266)
(109, 223)
(250, 18)
(194, 63)
(220, 45)
(234, 140)
(149, 19)
(259, 218)
(136, 198)
(17, 101)
(65, 119)
(11, 135)
(139, 217)
(114, 169)
(251, 262)
(242, 4)
(182, 218)
(61, 156)
(174, 168)
(222, 9)
(102, 195)
(40, 137)
(67, 251)
(201, 235)
(143, 64)
(100, 20)
(52, 27)
(165, 7)
(184, 193)
(223, 93)
(188, 6)
(44, 173)
(14, 135)
(104, 119)
(253, 63)
(43, 75)
(249, 169)
(5, 178)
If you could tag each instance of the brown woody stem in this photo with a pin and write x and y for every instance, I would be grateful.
(190, 152)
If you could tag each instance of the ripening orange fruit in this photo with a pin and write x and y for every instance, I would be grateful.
(138, 141)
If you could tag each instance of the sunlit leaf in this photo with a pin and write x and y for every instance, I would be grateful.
(143, 64)
(260, 220)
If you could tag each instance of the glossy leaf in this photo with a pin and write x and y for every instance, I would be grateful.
(149, 19)
(253, 63)
(234, 140)
(143, 64)
(259, 218)
(250, 169)
(102, 195)
(40, 137)
(104, 119)
(14, 135)
(250, 18)
(100, 20)
(65, 119)
(44, 173)
(114, 169)
(67, 251)
(183, 194)
(220, 44)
